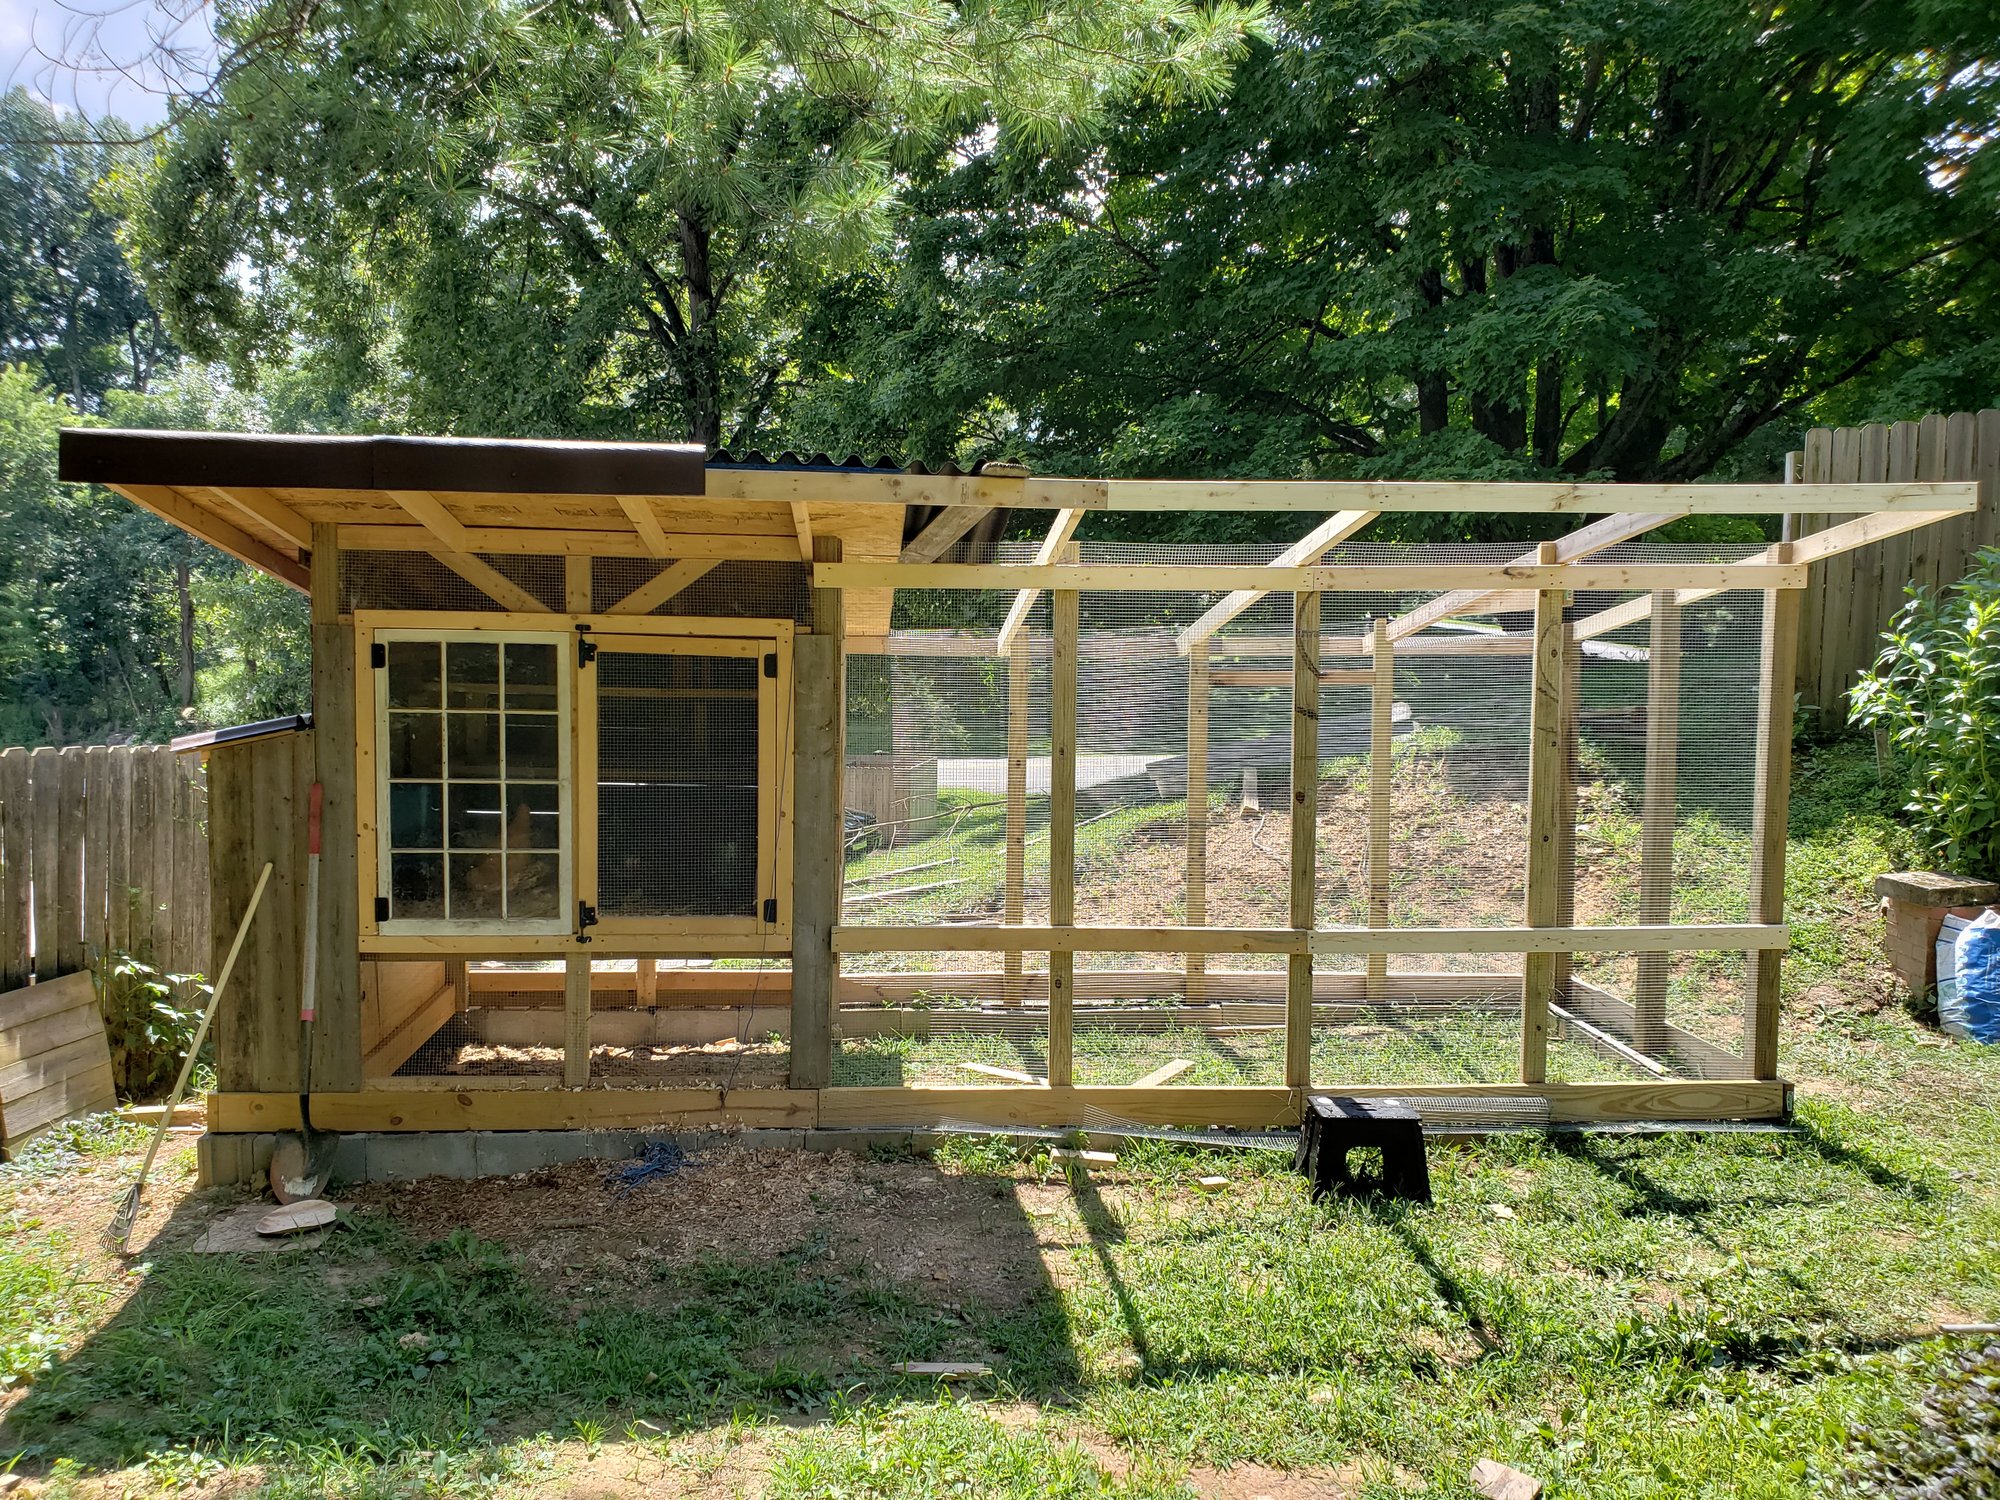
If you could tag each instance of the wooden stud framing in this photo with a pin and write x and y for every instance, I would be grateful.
(1309, 548)
(1545, 777)
(819, 685)
(639, 510)
(1714, 937)
(1381, 771)
(576, 1020)
(1056, 546)
(435, 517)
(576, 585)
(1769, 821)
(336, 1046)
(802, 527)
(1305, 835)
(584, 541)
(1656, 841)
(662, 586)
(943, 532)
(1062, 825)
(170, 505)
(1197, 811)
(1572, 691)
(1014, 897)
(1030, 578)
(268, 510)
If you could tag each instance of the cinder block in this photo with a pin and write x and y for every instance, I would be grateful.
(396, 1157)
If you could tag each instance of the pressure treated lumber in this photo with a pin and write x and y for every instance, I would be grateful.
(662, 586)
(1359, 578)
(1769, 821)
(336, 1036)
(1014, 897)
(1381, 770)
(1545, 777)
(1657, 814)
(1062, 827)
(1056, 546)
(576, 1020)
(1309, 548)
(1305, 834)
(943, 532)
(1714, 937)
(819, 697)
(1196, 898)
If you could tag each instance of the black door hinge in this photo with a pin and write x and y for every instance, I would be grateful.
(381, 908)
(586, 651)
(378, 654)
(770, 664)
(586, 916)
(770, 910)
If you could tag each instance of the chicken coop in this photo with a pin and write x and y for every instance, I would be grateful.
(1155, 835)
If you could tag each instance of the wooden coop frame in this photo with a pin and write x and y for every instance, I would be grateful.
(300, 508)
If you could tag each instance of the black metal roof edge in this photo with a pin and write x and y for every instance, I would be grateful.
(555, 466)
(289, 724)
(853, 463)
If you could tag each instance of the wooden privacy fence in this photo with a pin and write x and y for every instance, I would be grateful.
(103, 849)
(1851, 595)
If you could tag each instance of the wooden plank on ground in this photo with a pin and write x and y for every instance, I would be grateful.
(54, 1061)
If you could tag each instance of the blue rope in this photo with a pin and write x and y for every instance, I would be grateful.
(655, 1159)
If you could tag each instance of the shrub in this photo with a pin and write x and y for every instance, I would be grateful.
(1935, 690)
(149, 1020)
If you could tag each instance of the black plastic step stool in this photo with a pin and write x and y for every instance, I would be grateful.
(1335, 1126)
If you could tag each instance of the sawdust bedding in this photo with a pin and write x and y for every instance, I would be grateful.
(725, 1064)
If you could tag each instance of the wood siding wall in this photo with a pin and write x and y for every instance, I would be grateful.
(1852, 596)
(103, 850)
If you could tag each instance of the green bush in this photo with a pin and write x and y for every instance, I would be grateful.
(1935, 690)
(149, 1019)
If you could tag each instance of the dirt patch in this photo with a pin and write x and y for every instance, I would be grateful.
(725, 1064)
(1255, 1482)
(938, 1236)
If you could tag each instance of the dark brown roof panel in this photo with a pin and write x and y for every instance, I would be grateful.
(510, 466)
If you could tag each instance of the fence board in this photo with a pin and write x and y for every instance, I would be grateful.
(96, 844)
(1850, 597)
(118, 852)
(69, 859)
(159, 763)
(16, 835)
(44, 793)
(140, 858)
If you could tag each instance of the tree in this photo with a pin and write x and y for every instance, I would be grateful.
(1618, 239)
(69, 304)
(577, 216)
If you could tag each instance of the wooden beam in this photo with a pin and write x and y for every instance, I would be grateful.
(539, 541)
(1769, 822)
(639, 510)
(1578, 545)
(1305, 836)
(1309, 548)
(1062, 825)
(662, 586)
(1546, 769)
(336, 1034)
(819, 842)
(576, 1020)
(1051, 549)
(1381, 770)
(577, 589)
(496, 585)
(1014, 897)
(263, 506)
(1042, 493)
(1196, 802)
(171, 505)
(1657, 816)
(802, 526)
(1568, 729)
(1363, 578)
(943, 532)
(436, 518)
(514, 1104)
(1710, 937)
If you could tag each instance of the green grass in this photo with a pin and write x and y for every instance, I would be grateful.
(1684, 1316)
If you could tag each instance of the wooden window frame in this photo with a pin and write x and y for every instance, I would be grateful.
(610, 938)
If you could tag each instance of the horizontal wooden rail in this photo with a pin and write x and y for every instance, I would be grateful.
(1362, 578)
(1730, 937)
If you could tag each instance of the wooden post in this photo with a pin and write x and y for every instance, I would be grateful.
(1656, 839)
(1305, 835)
(1770, 816)
(1197, 813)
(576, 584)
(576, 1020)
(1546, 773)
(1572, 701)
(1014, 898)
(1381, 772)
(1062, 823)
(646, 983)
(819, 718)
(336, 1048)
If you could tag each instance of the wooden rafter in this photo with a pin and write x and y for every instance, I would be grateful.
(803, 526)
(170, 505)
(543, 541)
(943, 531)
(1359, 578)
(1579, 544)
(639, 510)
(658, 589)
(435, 518)
(1309, 548)
(263, 506)
(1052, 545)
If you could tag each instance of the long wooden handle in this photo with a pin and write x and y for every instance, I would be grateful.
(201, 1031)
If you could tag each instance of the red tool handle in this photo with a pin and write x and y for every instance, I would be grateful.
(312, 820)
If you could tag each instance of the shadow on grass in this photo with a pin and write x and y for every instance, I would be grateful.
(383, 1344)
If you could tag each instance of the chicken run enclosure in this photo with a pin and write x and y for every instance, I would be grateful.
(665, 788)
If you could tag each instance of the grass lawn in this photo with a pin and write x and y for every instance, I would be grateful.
(1675, 1316)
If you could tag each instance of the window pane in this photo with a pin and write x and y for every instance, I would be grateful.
(475, 815)
(416, 886)
(531, 676)
(472, 745)
(416, 816)
(531, 747)
(533, 819)
(534, 889)
(475, 887)
(413, 674)
(471, 675)
(416, 749)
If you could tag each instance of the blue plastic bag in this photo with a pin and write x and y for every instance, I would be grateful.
(1969, 992)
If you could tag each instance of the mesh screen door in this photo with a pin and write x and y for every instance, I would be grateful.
(686, 771)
